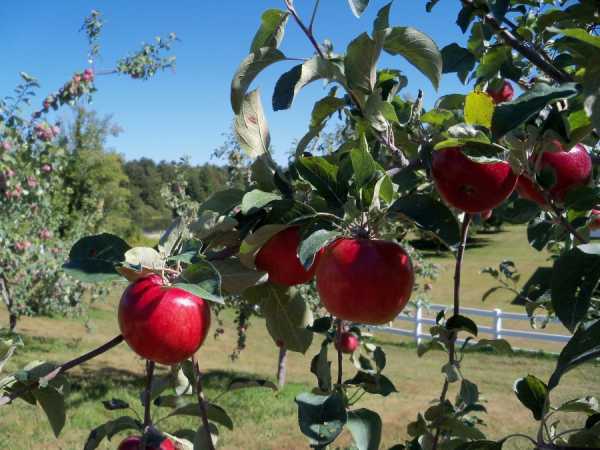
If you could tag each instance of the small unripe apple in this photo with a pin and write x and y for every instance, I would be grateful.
(46, 168)
(468, 185)
(135, 443)
(347, 342)
(503, 94)
(365, 281)
(163, 324)
(279, 258)
(571, 169)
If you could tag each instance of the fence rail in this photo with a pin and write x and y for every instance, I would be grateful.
(496, 330)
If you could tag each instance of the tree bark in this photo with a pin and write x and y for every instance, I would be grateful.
(7, 299)
(281, 367)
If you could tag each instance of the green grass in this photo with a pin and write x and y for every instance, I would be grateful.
(265, 419)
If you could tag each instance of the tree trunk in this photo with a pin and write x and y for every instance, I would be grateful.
(281, 367)
(5, 293)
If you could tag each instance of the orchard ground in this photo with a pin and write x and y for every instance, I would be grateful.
(265, 419)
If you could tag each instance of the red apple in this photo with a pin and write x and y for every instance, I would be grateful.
(134, 443)
(365, 281)
(347, 343)
(571, 169)
(279, 258)
(468, 185)
(485, 215)
(162, 324)
(504, 94)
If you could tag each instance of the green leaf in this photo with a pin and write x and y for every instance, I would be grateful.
(382, 21)
(428, 214)
(479, 108)
(321, 112)
(257, 199)
(437, 117)
(588, 405)
(461, 323)
(290, 83)
(582, 347)
(418, 48)
(236, 278)
(323, 175)
(363, 164)
(518, 211)
(365, 426)
(578, 33)
(321, 367)
(508, 116)
(582, 198)
(451, 102)
(533, 394)
(251, 128)
(271, 31)
(214, 412)
(93, 258)
(384, 190)
(222, 201)
(310, 246)
(248, 70)
(492, 61)
(469, 392)
(358, 6)
(109, 429)
(499, 8)
(373, 383)
(457, 59)
(575, 277)
(361, 63)
(200, 292)
(457, 427)
(53, 404)
(286, 314)
(171, 239)
(321, 418)
(144, 257)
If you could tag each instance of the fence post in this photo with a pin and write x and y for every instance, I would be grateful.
(497, 323)
(418, 326)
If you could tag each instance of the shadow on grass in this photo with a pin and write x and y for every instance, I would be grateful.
(434, 249)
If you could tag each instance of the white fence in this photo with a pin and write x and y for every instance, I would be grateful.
(497, 331)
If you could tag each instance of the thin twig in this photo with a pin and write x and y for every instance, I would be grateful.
(338, 338)
(464, 233)
(313, 16)
(202, 402)
(148, 393)
(63, 368)
(308, 32)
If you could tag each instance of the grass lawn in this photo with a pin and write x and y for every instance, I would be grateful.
(265, 419)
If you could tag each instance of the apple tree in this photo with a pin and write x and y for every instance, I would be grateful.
(523, 143)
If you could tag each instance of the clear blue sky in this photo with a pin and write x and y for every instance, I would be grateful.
(186, 111)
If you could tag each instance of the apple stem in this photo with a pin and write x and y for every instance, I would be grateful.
(338, 338)
(148, 393)
(564, 222)
(64, 367)
(202, 403)
(464, 234)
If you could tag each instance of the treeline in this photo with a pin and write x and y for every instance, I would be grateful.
(147, 207)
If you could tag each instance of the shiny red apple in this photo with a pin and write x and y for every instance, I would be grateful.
(163, 324)
(503, 94)
(135, 443)
(570, 168)
(468, 185)
(279, 258)
(347, 342)
(363, 280)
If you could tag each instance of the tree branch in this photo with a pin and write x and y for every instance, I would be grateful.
(307, 31)
(63, 368)
(148, 393)
(338, 338)
(202, 403)
(526, 49)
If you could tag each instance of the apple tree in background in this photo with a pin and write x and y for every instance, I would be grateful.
(334, 226)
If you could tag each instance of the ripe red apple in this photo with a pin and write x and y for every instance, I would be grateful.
(504, 94)
(347, 343)
(134, 443)
(279, 258)
(365, 281)
(468, 185)
(162, 324)
(571, 169)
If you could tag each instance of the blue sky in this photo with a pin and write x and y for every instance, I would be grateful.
(185, 112)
